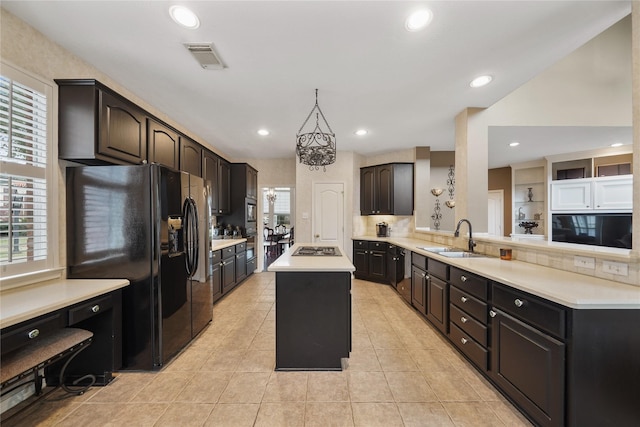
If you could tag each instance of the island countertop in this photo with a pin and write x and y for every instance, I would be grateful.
(289, 262)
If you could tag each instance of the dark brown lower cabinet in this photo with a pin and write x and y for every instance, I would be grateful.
(215, 275)
(241, 266)
(228, 273)
(530, 367)
(419, 289)
(438, 303)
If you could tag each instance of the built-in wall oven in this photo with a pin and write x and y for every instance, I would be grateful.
(251, 217)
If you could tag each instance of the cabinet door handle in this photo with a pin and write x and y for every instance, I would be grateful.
(492, 313)
(463, 299)
(518, 302)
(463, 278)
(95, 308)
(33, 334)
(464, 319)
(463, 340)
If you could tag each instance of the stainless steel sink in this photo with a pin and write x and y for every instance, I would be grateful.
(451, 252)
(461, 254)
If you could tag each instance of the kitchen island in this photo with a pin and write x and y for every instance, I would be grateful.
(313, 308)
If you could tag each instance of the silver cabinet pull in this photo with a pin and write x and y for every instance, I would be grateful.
(463, 299)
(95, 308)
(518, 302)
(492, 313)
(463, 278)
(33, 334)
(464, 319)
(463, 340)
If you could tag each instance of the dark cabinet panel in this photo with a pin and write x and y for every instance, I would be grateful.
(228, 274)
(215, 274)
(419, 289)
(98, 126)
(224, 190)
(438, 302)
(190, 156)
(244, 190)
(241, 266)
(387, 189)
(163, 144)
(530, 366)
(217, 175)
(370, 260)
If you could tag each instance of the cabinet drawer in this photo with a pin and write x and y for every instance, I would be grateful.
(89, 309)
(31, 331)
(466, 344)
(228, 252)
(469, 304)
(468, 324)
(469, 282)
(419, 260)
(378, 246)
(215, 256)
(438, 269)
(241, 247)
(360, 244)
(531, 309)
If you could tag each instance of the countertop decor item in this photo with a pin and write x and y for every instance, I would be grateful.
(528, 225)
(317, 147)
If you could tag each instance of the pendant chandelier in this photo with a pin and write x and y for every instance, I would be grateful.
(316, 148)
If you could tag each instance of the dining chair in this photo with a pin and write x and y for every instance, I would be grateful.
(287, 241)
(269, 245)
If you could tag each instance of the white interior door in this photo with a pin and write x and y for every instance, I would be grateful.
(496, 213)
(328, 213)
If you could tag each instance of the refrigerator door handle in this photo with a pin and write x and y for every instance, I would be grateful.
(191, 236)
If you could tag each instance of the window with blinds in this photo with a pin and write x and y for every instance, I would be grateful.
(23, 175)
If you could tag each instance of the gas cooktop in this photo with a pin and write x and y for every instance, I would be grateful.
(317, 251)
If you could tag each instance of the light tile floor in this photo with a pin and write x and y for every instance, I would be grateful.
(401, 372)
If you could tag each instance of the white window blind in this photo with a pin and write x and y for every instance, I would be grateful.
(24, 135)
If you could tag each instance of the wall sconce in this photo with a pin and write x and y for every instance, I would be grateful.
(437, 215)
(451, 182)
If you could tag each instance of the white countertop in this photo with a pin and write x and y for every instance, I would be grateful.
(563, 287)
(27, 302)
(289, 263)
(225, 243)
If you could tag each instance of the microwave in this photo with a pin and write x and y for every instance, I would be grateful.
(252, 211)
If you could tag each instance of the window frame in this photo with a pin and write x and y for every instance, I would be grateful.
(25, 273)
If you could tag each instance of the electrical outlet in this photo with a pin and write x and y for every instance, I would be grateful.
(584, 262)
(617, 268)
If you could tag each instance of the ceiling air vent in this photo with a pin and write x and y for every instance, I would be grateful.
(205, 55)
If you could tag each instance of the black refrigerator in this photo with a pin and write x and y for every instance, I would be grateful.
(145, 223)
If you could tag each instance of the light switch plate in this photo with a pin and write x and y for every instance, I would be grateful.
(584, 262)
(617, 268)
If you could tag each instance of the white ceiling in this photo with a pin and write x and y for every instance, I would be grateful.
(405, 88)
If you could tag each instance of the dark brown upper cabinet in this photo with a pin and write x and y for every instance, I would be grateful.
(387, 189)
(217, 175)
(163, 144)
(190, 156)
(97, 126)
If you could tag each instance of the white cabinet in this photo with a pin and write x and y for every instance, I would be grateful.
(605, 194)
(613, 193)
(571, 195)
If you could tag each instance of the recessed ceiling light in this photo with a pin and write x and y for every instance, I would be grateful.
(514, 144)
(481, 81)
(184, 17)
(361, 132)
(617, 144)
(263, 132)
(418, 20)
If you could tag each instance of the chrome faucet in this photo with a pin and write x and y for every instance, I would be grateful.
(472, 244)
